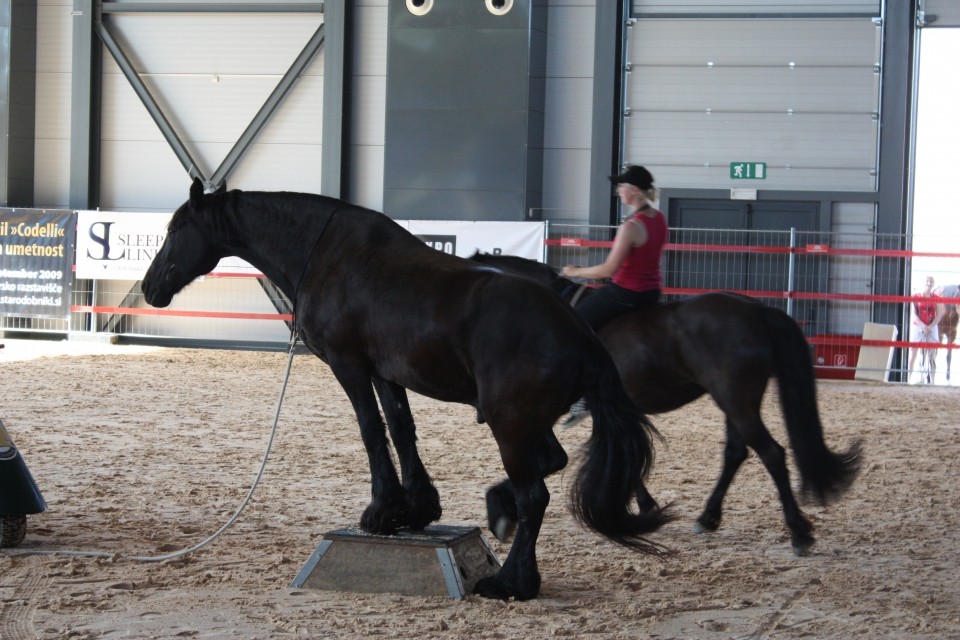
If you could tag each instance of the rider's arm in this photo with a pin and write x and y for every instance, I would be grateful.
(631, 234)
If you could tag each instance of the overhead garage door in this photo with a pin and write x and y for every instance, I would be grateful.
(756, 7)
(801, 95)
(940, 13)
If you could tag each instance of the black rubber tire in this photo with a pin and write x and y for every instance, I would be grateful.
(12, 530)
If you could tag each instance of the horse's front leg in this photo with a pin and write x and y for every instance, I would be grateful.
(387, 510)
(423, 501)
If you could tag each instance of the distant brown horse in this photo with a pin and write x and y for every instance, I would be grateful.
(949, 320)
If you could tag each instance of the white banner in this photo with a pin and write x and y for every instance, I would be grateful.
(121, 246)
(464, 238)
(118, 246)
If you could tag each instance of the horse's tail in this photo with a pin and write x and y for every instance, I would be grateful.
(824, 475)
(619, 455)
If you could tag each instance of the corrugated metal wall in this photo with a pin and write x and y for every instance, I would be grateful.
(569, 110)
(829, 141)
(368, 109)
(210, 74)
(52, 151)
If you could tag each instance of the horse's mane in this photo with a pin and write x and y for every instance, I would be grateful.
(225, 205)
(516, 264)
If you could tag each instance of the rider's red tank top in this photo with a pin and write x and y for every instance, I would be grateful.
(640, 271)
(926, 311)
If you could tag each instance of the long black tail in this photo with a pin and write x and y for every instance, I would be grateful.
(618, 458)
(824, 475)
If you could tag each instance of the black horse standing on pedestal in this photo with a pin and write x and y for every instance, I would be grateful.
(387, 314)
(729, 346)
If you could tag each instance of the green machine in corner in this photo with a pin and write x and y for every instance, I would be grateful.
(19, 495)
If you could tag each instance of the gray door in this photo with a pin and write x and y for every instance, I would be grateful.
(724, 226)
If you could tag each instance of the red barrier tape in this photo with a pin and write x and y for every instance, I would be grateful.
(810, 249)
(859, 342)
(833, 341)
(805, 295)
(669, 246)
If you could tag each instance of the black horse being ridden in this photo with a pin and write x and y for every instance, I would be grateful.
(387, 314)
(729, 346)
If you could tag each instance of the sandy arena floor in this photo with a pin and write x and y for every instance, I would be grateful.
(146, 451)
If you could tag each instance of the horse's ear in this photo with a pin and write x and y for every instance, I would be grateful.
(196, 193)
(221, 189)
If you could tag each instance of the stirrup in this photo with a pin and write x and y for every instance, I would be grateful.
(578, 411)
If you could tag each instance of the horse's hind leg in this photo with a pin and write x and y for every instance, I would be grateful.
(502, 497)
(519, 576)
(423, 501)
(775, 460)
(734, 453)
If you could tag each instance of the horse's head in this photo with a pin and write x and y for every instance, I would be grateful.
(187, 252)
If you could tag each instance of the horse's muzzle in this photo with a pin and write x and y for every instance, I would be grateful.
(155, 286)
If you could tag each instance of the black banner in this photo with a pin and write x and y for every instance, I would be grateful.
(36, 259)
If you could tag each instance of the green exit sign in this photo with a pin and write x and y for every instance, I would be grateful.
(748, 170)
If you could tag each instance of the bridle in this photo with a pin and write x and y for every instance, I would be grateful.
(306, 263)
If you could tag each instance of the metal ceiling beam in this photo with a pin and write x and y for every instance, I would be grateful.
(148, 100)
(263, 116)
(336, 98)
(269, 107)
(86, 63)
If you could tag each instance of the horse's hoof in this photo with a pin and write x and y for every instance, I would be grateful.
(648, 506)
(802, 545)
(706, 524)
(380, 521)
(490, 588)
(501, 512)
(420, 522)
(423, 508)
(504, 528)
(494, 588)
